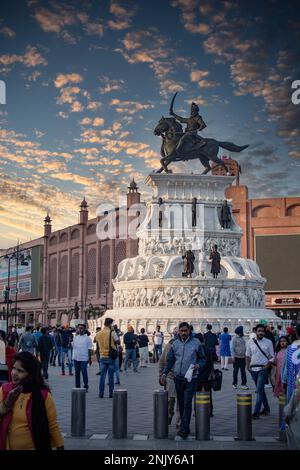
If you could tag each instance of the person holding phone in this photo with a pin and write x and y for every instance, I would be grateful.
(27, 411)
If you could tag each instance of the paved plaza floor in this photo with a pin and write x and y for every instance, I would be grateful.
(140, 389)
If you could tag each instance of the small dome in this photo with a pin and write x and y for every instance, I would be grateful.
(84, 203)
(132, 186)
(47, 219)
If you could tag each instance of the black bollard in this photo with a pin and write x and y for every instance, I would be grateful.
(78, 412)
(281, 405)
(160, 414)
(202, 406)
(119, 414)
(244, 417)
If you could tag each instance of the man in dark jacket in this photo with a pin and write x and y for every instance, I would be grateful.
(185, 357)
(130, 341)
(211, 341)
(44, 347)
(64, 342)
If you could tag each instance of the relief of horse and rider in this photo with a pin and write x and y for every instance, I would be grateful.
(178, 145)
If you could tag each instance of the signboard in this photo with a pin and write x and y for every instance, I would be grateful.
(22, 270)
(75, 323)
(27, 283)
(278, 257)
(287, 301)
(20, 276)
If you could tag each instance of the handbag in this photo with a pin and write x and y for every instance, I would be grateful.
(215, 379)
(113, 353)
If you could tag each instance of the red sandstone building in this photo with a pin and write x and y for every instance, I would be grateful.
(72, 265)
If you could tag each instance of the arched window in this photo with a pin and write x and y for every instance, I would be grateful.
(52, 278)
(75, 234)
(74, 275)
(105, 267)
(63, 237)
(294, 210)
(265, 211)
(120, 254)
(63, 279)
(91, 272)
(91, 229)
(53, 241)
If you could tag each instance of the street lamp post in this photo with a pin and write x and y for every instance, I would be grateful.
(17, 256)
(7, 292)
(105, 287)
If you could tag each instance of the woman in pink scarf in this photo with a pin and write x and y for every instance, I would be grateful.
(279, 357)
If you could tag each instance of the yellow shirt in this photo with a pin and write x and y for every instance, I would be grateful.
(102, 339)
(19, 435)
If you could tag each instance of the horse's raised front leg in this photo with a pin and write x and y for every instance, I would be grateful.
(207, 169)
(165, 165)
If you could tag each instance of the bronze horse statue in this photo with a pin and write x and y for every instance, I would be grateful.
(171, 131)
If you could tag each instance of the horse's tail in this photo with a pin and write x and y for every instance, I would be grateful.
(232, 147)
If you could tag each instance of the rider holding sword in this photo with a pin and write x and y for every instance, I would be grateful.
(193, 124)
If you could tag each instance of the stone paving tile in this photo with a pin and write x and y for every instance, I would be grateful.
(140, 405)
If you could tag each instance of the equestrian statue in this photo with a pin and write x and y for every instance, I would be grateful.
(181, 146)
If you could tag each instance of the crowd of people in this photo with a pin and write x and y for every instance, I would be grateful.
(186, 365)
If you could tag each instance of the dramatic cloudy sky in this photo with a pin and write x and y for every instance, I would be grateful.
(87, 81)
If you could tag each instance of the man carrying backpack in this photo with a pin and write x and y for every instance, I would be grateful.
(238, 353)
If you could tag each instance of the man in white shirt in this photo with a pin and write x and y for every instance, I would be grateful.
(259, 356)
(82, 351)
(158, 339)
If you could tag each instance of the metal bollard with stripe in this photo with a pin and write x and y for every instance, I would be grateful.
(78, 412)
(160, 414)
(119, 414)
(281, 403)
(244, 417)
(202, 421)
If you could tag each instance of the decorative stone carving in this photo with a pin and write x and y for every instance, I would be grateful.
(226, 246)
(213, 297)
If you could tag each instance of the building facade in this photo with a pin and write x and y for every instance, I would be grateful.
(77, 269)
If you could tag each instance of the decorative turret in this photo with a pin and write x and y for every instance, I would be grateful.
(133, 196)
(133, 187)
(47, 226)
(84, 213)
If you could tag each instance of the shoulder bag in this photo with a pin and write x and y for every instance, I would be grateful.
(113, 353)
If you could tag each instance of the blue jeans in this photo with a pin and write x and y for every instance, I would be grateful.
(260, 378)
(81, 366)
(55, 353)
(130, 354)
(63, 353)
(185, 391)
(117, 369)
(106, 365)
(157, 351)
